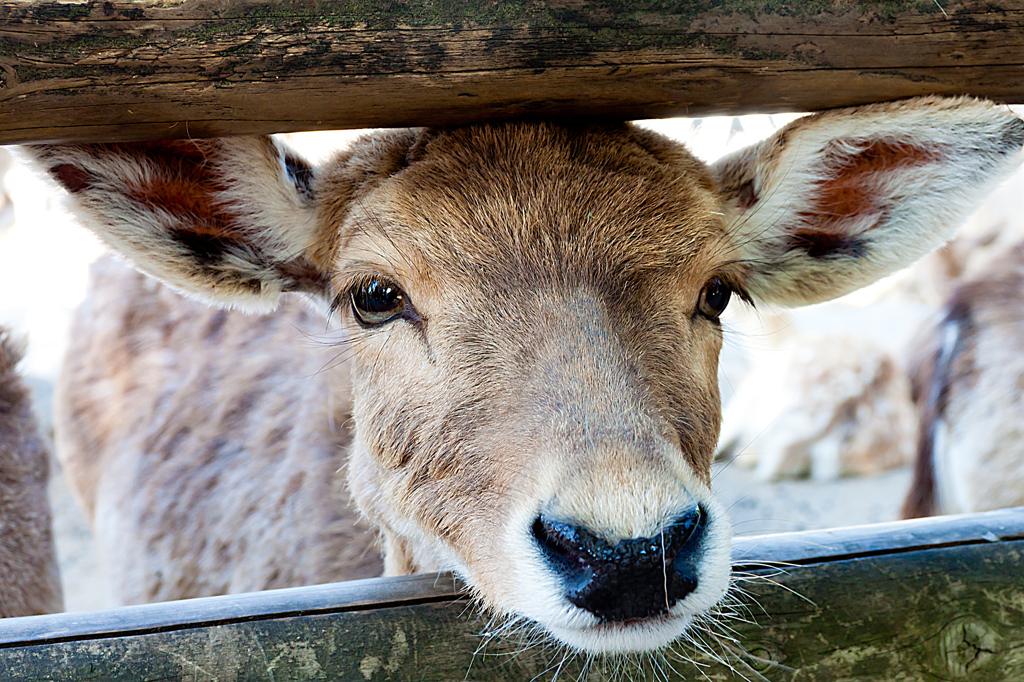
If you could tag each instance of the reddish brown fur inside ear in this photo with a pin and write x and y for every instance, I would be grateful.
(73, 178)
(848, 191)
(183, 183)
(193, 197)
(178, 179)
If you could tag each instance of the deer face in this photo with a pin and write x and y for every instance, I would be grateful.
(532, 313)
(534, 351)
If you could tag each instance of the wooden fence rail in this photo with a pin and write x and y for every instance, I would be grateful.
(123, 70)
(935, 599)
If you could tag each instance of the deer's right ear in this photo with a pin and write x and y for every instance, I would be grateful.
(232, 221)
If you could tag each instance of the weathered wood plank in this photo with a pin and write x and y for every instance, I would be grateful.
(925, 600)
(130, 70)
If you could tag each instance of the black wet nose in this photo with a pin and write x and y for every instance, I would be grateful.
(637, 578)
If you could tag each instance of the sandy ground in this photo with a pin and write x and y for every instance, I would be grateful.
(44, 258)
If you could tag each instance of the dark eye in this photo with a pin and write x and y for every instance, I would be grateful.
(376, 301)
(714, 297)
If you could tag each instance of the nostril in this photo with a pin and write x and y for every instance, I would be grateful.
(626, 580)
(682, 531)
(560, 541)
(545, 540)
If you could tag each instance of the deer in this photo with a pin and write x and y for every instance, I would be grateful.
(29, 573)
(967, 378)
(841, 406)
(500, 349)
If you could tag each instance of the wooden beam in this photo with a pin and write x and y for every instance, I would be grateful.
(123, 70)
(919, 600)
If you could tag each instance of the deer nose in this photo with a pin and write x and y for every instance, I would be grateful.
(634, 578)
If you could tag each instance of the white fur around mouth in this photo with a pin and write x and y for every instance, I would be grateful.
(540, 593)
(638, 635)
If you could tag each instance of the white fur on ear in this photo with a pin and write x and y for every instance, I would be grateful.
(837, 200)
(227, 220)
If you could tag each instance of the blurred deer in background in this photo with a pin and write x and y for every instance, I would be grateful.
(968, 384)
(823, 407)
(29, 575)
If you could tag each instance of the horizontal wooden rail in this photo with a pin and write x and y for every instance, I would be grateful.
(123, 70)
(933, 599)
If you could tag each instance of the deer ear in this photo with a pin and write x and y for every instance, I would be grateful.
(837, 200)
(230, 220)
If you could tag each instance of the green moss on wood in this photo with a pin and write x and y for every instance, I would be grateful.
(538, 35)
(466, 13)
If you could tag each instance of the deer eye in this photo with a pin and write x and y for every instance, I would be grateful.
(714, 297)
(377, 301)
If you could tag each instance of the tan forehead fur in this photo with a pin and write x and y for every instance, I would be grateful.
(509, 201)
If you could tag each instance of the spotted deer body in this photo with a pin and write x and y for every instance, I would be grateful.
(159, 444)
(968, 385)
(524, 320)
(841, 406)
(29, 574)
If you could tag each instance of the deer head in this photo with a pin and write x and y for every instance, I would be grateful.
(532, 311)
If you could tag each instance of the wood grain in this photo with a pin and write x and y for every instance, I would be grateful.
(931, 599)
(176, 68)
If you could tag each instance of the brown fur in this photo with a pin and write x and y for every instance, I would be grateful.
(929, 376)
(551, 355)
(29, 576)
(968, 384)
(845, 193)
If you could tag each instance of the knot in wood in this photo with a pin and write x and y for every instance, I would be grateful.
(968, 644)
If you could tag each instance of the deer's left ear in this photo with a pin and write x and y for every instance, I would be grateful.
(837, 200)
